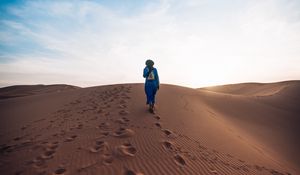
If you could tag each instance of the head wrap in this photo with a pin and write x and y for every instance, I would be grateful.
(149, 63)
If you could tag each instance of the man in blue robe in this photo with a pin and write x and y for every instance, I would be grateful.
(151, 84)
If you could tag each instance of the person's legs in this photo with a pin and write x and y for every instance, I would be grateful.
(148, 93)
(153, 94)
(150, 90)
(152, 98)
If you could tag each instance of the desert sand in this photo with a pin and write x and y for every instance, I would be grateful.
(248, 128)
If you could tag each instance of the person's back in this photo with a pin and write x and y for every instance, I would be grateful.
(151, 83)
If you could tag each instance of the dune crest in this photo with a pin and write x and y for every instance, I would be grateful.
(253, 89)
(25, 90)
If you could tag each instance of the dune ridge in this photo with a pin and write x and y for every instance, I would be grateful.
(25, 90)
(108, 130)
(253, 89)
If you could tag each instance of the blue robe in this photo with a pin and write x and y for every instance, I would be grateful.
(151, 85)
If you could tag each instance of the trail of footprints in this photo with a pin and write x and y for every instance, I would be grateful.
(49, 152)
(169, 145)
(180, 155)
(90, 109)
(107, 151)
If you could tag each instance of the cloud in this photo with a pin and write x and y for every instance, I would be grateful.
(193, 43)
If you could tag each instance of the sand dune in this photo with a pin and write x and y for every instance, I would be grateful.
(107, 130)
(253, 89)
(271, 120)
(25, 90)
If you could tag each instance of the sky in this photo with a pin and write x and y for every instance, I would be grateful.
(194, 43)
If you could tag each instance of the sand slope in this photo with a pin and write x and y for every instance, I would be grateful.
(108, 130)
(270, 118)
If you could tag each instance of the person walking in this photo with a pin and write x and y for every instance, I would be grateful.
(151, 83)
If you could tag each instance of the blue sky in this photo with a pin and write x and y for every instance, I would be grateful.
(194, 43)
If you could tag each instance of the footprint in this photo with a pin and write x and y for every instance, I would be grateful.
(60, 171)
(123, 133)
(105, 125)
(24, 127)
(167, 132)
(259, 168)
(127, 144)
(26, 142)
(213, 171)
(69, 139)
(157, 117)
(52, 145)
(48, 154)
(125, 119)
(103, 134)
(179, 160)
(96, 149)
(100, 111)
(126, 150)
(131, 172)
(123, 112)
(39, 162)
(158, 124)
(168, 145)
(242, 161)
(100, 146)
(6, 148)
(79, 126)
(274, 172)
(108, 159)
(130, 151)
(17, 138)
(122, 120)
(122, 106)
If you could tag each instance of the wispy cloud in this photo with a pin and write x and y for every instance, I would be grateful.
(193, 43)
